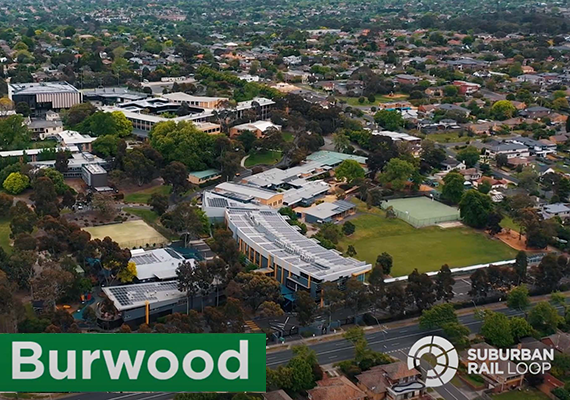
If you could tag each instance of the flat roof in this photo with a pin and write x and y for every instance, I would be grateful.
(333, 158)
(95, 169)
(328, 210)
(181, 96)
(246, 190)
(207, 173)
(42, 87)
(134, 296)
(157, 264)
(73, 137)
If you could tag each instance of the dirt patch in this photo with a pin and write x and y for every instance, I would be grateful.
(511, 238)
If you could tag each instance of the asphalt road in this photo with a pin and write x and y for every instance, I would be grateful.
(395, 342)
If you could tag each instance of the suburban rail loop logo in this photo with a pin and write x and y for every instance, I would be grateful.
(446, 358)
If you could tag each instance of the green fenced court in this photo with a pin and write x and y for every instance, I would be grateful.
(128, 234)
(422, 211)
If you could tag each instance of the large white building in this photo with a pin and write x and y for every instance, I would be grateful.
(44, 96)
(298, 262)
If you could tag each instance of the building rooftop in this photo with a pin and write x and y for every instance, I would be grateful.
(332, 158)
(246, 190)
(270, 231)
(73, 137)
(137, 295)
(158, 264)
(33, 88)
(207, 173)
(181, 96)
(95, 169)
(327, 210)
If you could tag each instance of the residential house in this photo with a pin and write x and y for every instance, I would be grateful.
(497, 382)
(393, 381)
(452, 164)
(511, 150)
(466, 87)
(337, 388)
(536, 112)
(560, 341)
(471, 174)
(276, 395)
(539, 148)
(534, 79)
(404, 79)
(555, 210)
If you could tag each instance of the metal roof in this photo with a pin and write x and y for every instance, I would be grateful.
(133, 296)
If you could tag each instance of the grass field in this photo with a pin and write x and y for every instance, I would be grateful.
(268, 158)
(143, 196)
(421, 211)
(353, 101)
(527, 394)
(5, 234)
(426, 249)
(508, 222)
(128, 234)
(448, 137)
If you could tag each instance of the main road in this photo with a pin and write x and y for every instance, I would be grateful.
(393, 341)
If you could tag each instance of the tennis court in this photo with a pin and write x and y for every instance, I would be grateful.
(421, 211)
(128, 234)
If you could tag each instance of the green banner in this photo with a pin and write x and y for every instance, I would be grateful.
(132, 362)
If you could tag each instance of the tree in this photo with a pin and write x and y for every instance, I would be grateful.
(420, 290)
(475, 208)
(397, 173)
(457, 334)
(106, 146)
(45, 197)
(186, 218)
(142, 164)
(390, 120)
(68, 200)
(122, 126)
(349, 170)
(50, 284)
(78, 113)
(518, 298)
(453, 187)
(15, 133)
(520, 328)
(503, 109)
(496, 329)
(544, 318)
(438, 316)
(255, 289)
(548, 273)
(502, 160)
(16, 182)
(341, 142)
(23, 219)
(469, 155)
(128, 274)
(6, 202)
(159, 203)
(175, 174)
(351, 251)
(105, 205)
(480, 285)
(348, 228)
(396, 299)
(357, 297)
(61, 161)
(385, 262)
(306, 307)
(269, 309)
(444, 284)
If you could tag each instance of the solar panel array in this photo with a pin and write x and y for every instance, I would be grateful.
(147, 258)
(272, 233)
(136, 295)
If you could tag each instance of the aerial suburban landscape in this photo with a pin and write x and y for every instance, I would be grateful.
(345, 178)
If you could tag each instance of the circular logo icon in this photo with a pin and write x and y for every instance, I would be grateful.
(446, 360)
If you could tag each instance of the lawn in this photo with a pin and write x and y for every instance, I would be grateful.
(267, 158)
(508, 223)
(128, 234)
(353, 101)
(288, 137)
(143, 196)
(426, 249)
(527, 394)
(41, 144)
(5, 234)
(448, 137)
